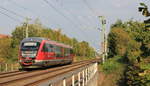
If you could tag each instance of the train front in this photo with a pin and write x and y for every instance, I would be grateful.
(28, 52)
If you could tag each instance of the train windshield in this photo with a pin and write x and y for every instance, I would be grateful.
(30, 46)
(29, 49)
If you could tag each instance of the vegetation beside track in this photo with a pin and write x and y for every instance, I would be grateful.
(79, 58)
(129, 48)
(112, 72)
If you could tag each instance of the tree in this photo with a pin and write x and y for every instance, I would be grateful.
(127, 39)
(118, 41)
(144, 10)
(5, 48)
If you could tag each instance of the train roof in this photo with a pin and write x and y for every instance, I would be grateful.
(37, 39)
(40, 39)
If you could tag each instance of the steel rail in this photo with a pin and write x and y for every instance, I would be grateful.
(12, 74)
(2, 73)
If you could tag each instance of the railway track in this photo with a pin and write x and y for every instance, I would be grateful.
(2, 73)
(9, 74)
(16, 72)
(35, 77)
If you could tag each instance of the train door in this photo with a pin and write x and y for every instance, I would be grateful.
(51, 53)
(58, 52)
(45, 51)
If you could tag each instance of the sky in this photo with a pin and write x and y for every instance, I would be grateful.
(76, 18)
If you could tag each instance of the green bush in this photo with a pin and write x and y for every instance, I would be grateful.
(145, 66)
(112, 64)
(133, 77)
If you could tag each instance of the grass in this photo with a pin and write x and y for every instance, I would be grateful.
(114, 64)
(113, 71)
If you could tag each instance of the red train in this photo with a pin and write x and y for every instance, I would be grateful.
(42, 52)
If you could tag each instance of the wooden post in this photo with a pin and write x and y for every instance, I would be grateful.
(12, 68)
(0, 67)
(6, 67)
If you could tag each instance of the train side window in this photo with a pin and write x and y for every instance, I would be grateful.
(48, 48)
(66, 52)
(51, 48)
(71, 51)
(58, 51)
(45, 48)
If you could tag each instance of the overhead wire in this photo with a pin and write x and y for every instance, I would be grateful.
(72, 14)
(13, 2)
(94, 14)
(27, 9)
(85, 35)
(12, 12)
(31, 11)
(75, 18)
(10, 17)
(90, 8)
(60, 13)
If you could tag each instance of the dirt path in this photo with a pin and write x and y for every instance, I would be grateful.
(108, 79)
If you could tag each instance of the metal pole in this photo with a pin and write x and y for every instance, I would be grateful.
(27, 32)
(104, 45)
